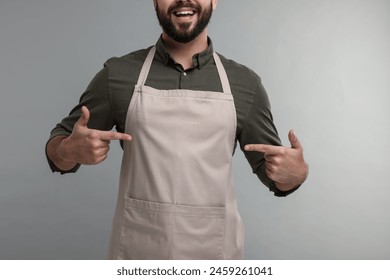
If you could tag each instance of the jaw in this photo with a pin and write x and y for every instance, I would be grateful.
(184, 23)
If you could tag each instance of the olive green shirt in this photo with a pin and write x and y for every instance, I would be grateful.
(108, 96)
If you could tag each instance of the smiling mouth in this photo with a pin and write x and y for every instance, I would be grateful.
(184, 13)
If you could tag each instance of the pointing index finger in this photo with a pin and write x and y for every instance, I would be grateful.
(111, 135)
(262, 148)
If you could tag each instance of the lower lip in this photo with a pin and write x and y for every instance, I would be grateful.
(184, 18)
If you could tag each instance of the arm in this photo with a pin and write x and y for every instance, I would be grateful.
(260, 128)
(285, 166)
(76, 138)
(83, 146)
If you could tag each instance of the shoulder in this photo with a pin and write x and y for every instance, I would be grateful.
(246, 85)
(240, 74)
(138, 55)
(126, 64)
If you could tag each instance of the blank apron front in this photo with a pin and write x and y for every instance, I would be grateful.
(176, 197)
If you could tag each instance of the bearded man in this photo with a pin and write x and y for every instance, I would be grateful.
(179, 109)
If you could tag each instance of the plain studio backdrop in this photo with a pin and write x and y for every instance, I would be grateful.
(325, 65)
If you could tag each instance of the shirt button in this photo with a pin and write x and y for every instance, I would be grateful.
(185, 73)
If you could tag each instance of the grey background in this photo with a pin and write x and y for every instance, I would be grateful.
(325, 65)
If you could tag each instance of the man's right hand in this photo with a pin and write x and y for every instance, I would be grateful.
(84, 145)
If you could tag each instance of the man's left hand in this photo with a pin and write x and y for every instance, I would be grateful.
(285, 166)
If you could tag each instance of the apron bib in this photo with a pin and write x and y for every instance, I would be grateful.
(176, 197)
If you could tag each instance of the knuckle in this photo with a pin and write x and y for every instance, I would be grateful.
(270, 174)
(282, 151)
(96, 153)
(93, 134)
(101, 158)
(94, 146)
(277, 161)
(96, 160)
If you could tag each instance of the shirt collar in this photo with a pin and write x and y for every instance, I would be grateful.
(199, 60)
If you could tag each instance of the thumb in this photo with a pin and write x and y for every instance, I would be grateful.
(295, 144)
(84, 118)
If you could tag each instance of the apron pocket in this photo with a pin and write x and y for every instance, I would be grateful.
(145, 230)
(153, 230)
(198, 232)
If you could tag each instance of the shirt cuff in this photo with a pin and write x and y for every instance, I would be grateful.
(52, 166)
(279, 193)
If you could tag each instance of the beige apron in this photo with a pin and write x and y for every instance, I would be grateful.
(176, 197)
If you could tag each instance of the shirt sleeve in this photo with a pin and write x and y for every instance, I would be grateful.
(98, 101)
(259, 128)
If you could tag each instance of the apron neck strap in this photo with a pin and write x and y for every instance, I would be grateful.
(148, 63)
(146, 67)
(222, 74)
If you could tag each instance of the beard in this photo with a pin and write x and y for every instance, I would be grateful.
(183, 32)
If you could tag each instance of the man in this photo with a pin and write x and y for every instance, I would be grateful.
(179, 109)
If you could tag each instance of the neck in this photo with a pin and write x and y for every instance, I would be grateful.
(183, 52)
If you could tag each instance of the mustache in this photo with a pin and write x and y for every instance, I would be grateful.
(186, 4)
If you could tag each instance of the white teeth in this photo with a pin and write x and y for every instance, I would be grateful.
(185, 13)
